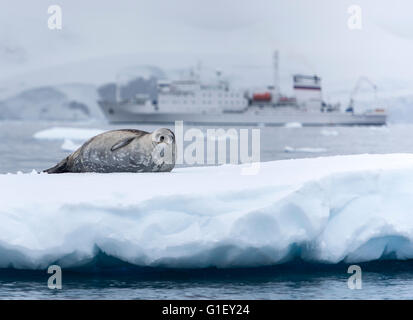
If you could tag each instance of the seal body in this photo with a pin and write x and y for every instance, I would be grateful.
(124, 150)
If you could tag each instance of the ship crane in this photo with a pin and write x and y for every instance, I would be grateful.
(356, 89)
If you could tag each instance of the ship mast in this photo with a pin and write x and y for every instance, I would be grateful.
(276, 90)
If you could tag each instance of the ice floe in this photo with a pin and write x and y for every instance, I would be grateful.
(329, 133)
(332, 209)
(69, 145)
(61, 133)
(293, 125)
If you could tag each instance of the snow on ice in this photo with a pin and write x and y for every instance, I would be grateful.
(343, 208)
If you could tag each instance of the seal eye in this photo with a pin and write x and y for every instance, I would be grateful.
(161, 138)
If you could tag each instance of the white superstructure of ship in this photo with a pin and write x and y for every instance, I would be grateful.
(191, 95)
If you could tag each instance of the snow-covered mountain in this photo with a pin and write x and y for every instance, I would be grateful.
(64, 102)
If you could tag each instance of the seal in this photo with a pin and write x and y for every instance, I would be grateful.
(125, 150)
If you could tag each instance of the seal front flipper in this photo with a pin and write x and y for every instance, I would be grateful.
(121, 143)
(61, 167)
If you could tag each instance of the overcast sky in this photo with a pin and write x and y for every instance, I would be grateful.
(311, 35)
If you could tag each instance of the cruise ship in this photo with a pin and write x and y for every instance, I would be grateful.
(193, 101)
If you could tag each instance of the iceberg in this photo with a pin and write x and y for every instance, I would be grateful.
(351, 209)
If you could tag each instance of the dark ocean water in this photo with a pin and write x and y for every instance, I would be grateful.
(295, 280)
(380, 280)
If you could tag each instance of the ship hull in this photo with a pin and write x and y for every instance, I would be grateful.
(120, 115)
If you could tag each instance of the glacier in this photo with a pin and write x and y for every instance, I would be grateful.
(354, 208)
